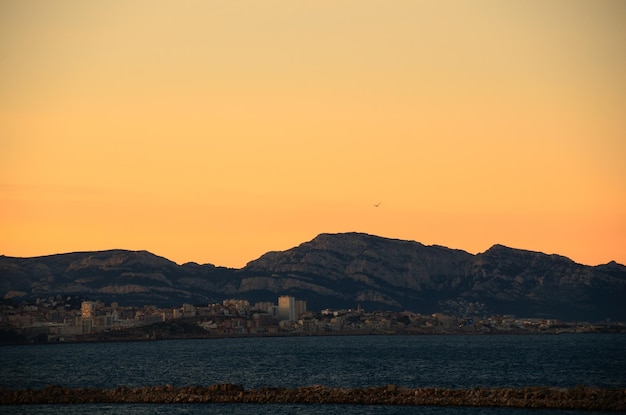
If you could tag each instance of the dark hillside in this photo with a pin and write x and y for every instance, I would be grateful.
(339, 271)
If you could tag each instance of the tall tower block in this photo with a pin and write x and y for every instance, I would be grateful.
(287, 308)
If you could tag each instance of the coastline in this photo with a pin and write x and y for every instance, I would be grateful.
(162, 331)
(147, 334)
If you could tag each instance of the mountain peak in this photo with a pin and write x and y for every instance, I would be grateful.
(338, 271)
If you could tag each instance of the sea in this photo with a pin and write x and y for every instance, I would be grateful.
(448, 361)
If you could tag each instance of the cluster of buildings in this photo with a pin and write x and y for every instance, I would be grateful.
(288, 308)
(51, 320)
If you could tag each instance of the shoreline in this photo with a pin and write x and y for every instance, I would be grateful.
(579, 397)
(150, 334)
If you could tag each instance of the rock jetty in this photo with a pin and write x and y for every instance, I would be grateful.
(580, 397)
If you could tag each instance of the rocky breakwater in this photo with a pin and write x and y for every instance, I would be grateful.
(580, 397)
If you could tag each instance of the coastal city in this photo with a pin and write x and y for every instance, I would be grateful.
(71, 319)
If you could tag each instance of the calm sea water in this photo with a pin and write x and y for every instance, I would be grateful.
(411, 361)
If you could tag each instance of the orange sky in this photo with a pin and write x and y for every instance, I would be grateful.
(215, 131)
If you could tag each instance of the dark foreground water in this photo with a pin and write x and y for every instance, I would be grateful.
(411, 361)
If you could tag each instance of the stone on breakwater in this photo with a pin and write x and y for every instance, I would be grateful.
(579, 397)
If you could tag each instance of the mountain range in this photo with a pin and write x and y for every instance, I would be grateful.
(339, 271)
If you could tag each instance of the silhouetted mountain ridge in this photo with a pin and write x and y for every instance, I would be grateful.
(340, 271)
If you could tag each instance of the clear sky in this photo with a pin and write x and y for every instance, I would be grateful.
(215, 131)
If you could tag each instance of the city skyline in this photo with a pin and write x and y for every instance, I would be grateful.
(51, 321)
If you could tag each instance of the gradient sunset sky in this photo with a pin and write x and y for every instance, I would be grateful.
(215, 131)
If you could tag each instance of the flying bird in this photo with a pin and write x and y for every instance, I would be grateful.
(377, 204)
